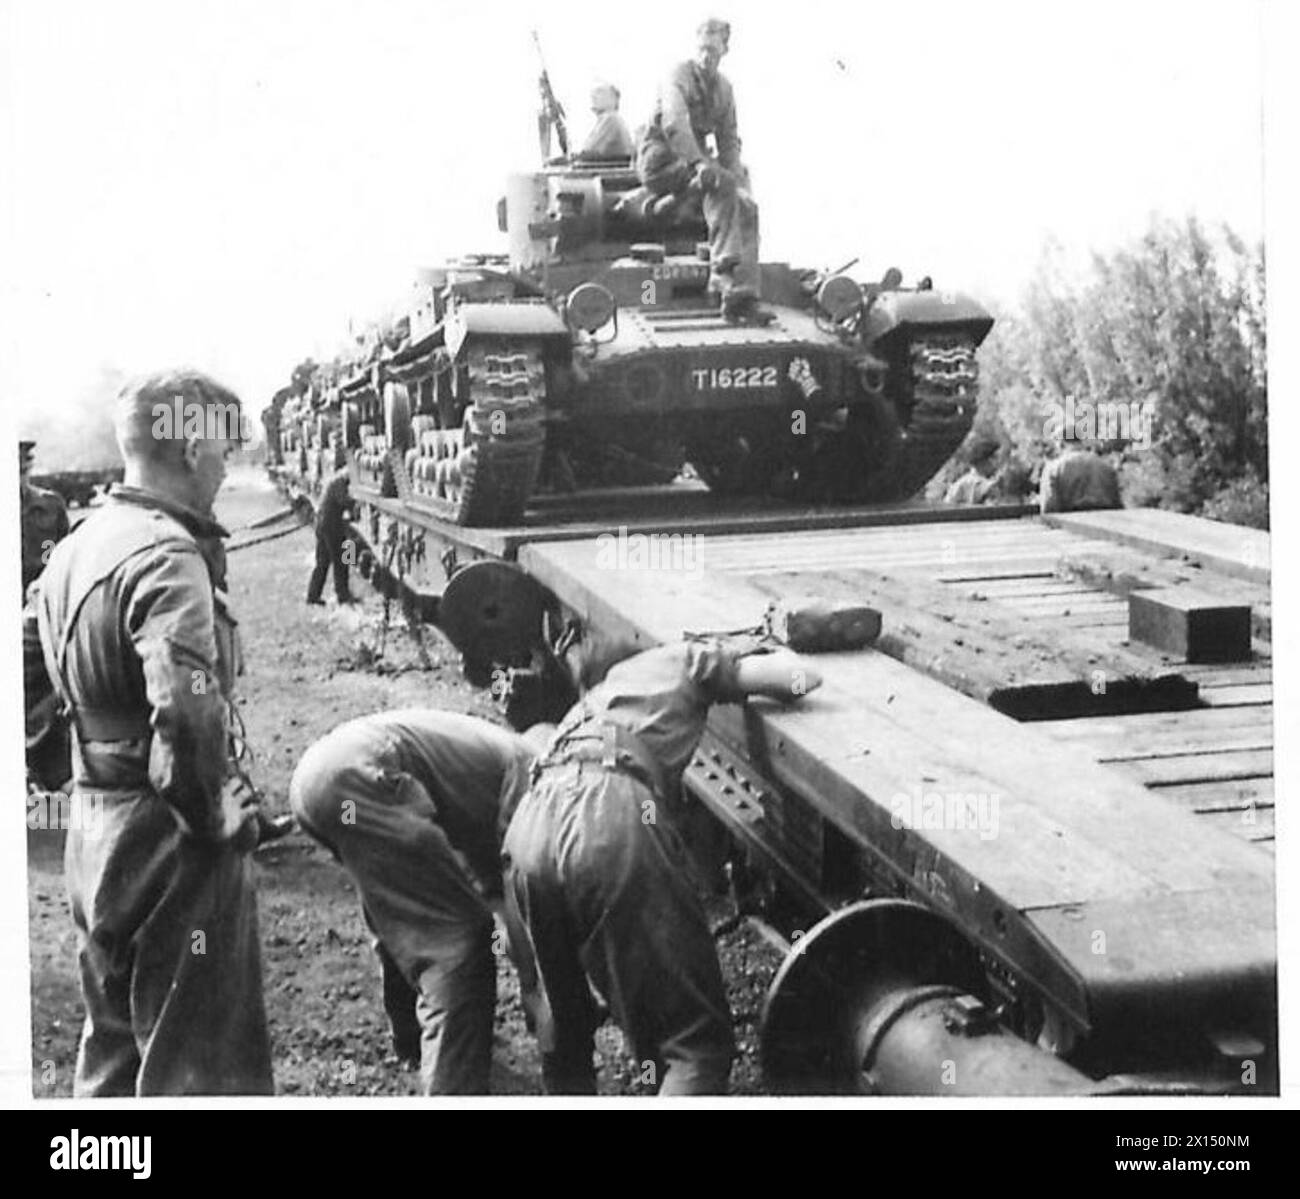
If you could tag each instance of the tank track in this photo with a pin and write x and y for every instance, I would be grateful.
(484, 472)
(938, 407)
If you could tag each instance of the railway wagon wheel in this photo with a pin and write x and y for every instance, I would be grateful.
(811, 1038)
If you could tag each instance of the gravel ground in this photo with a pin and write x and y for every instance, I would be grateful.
(307, 670)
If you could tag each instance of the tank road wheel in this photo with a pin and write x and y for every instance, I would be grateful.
(397, 417)
(502, 437)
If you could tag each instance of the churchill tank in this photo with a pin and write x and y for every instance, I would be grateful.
(591, 354)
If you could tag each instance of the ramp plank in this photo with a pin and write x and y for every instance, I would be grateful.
(1229, 549)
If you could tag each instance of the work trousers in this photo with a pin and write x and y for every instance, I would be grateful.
(433, 928)
(170, 963)
(600, 895)
(729, 210)
(329, 553)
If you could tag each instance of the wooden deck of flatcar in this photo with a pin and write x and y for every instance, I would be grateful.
(1052, 577)
(1215, 760)
(1002, 756)
(877, 779)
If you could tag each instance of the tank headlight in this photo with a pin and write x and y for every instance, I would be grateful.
(839, 297)
(589, 307)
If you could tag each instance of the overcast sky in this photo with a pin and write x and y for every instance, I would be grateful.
(226, 184)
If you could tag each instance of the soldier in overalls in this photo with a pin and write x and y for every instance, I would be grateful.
(600, 894)
(141, 651)
(412, 803)
(331, 537)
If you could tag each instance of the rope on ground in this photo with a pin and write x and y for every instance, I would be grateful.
(274, 518)
(251, 541)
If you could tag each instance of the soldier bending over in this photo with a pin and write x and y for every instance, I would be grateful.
(412, 803)
(599, 890)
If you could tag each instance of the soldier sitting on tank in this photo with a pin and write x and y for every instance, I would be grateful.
(609, 137)
(673, 161)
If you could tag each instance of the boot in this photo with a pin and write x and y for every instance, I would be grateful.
(740, 307)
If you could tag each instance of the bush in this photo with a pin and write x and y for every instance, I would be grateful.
(1175, 320)
(1241, 502)
(1152, 481)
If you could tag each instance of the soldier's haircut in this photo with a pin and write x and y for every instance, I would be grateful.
(136, 414)
(713, 25)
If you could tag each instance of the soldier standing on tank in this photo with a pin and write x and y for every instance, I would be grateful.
(696, 100)
(141, 649)
(44, 517)
(600, 894)
(412, 803)
(331, 537)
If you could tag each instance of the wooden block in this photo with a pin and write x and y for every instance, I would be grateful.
(1190, 625)
(1121, 571)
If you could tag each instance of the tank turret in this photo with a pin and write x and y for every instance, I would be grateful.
(591, 353)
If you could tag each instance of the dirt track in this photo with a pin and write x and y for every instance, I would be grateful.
(308, 669)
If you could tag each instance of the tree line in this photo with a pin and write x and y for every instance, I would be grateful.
(1157, 351)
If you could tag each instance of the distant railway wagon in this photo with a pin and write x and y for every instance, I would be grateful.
(79, 487)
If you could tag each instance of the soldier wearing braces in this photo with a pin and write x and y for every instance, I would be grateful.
(600, 895)
(141, 650)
